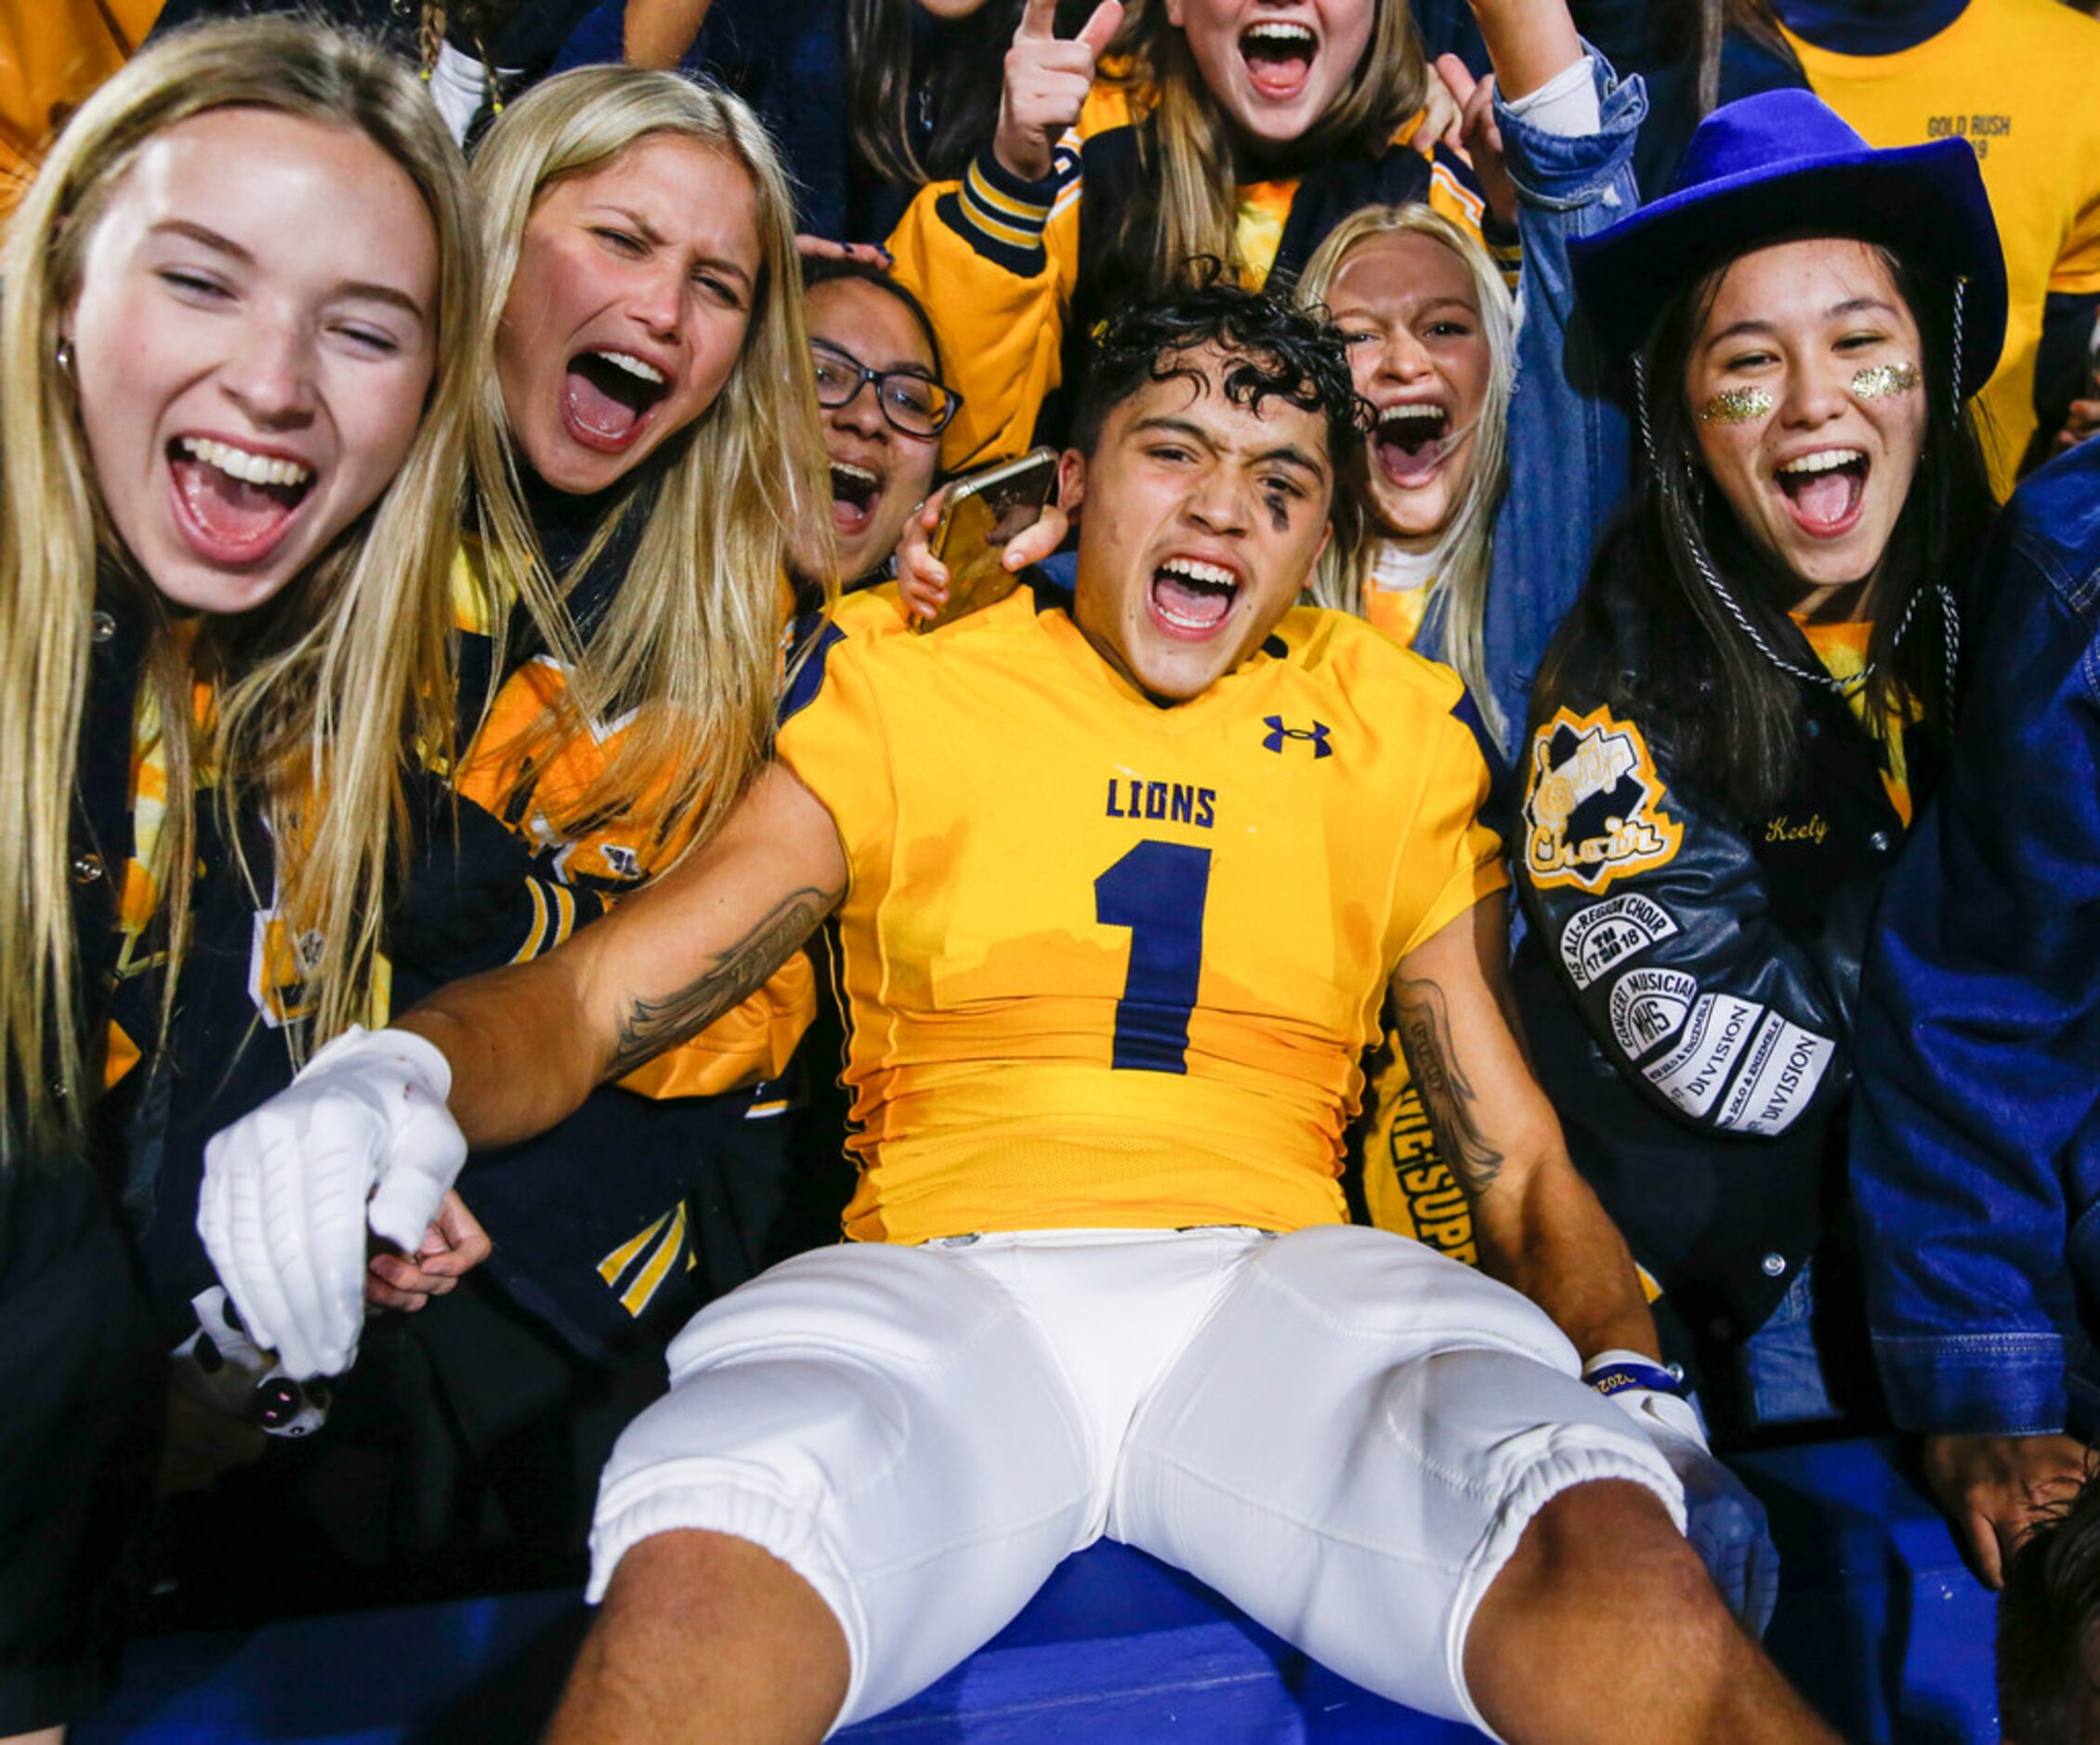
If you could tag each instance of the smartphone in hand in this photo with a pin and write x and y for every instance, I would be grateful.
(980, 514)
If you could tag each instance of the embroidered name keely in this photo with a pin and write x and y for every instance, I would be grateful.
(1813, 828)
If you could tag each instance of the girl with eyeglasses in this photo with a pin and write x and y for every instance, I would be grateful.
(877, 369)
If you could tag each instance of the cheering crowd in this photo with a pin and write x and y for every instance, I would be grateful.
(1476, 892)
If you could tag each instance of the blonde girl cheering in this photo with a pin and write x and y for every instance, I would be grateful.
(233, 351)
(649, 466)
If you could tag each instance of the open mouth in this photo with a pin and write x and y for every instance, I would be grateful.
(855, 492)
(1190, 598)
(607, 397)
(235, 505)
(1279, 57)
(1824, 491)
(1411, 441)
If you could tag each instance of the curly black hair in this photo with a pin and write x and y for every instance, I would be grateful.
(1293, 354)
(2049, 1626)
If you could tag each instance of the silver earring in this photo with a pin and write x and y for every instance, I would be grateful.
(63, 357)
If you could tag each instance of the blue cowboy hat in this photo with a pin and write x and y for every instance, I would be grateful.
(1783, 164)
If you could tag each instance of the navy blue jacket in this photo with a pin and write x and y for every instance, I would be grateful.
(1688, 978)
(1975, 1149)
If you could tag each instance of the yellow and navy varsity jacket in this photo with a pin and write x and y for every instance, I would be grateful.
(592, 1221)
(1016, 273)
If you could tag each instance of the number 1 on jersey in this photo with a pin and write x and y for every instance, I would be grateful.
(1157, 890)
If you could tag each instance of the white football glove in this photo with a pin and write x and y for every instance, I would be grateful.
(362, 1136)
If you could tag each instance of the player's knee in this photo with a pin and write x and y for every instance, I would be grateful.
(1613, 1537)
(659, 1576)
(704, 1634)
(687, 1590)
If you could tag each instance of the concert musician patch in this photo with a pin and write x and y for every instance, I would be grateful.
(1593, 808)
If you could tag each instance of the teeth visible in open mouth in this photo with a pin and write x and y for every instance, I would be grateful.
(634, 366)
(1823, 461)
(255, 469)
(1276, 30)
(1420, 412)
(1209, 574)
(845, 472)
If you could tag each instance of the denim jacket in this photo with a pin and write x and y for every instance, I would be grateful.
(1569, 454)
(1975, 1146)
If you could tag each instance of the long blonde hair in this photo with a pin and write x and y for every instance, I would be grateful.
(1185, 146)
(320, 693)
(693, 631)
(1465, 550)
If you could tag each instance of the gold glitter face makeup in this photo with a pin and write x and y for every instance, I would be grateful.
(1740, 405)
(1804, 424)
(1884, 379)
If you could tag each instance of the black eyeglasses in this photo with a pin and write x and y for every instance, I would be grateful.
(915, 404)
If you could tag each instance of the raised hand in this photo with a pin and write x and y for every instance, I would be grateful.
(1479, 135)
(1047, 81)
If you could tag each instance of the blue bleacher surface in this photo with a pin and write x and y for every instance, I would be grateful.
(1878, 1623)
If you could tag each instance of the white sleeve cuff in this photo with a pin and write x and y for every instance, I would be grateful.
(1566, 104)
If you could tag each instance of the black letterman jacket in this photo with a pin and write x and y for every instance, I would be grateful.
(1689, 978)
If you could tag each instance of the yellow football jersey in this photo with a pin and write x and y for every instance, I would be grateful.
(1108, 963)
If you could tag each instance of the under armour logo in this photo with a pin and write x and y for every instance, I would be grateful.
(1278, 733)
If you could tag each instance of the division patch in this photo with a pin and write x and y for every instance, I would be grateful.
(1779, 1074)
(1649, 1006)
(1598, 938)
(1594, 804)
(1715, 1036)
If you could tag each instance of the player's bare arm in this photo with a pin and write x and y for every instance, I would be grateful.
(528, 1044)
(377, 1125)
(1539, 1227)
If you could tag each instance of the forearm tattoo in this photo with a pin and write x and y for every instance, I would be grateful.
(649, 1027)
(1447, 1095)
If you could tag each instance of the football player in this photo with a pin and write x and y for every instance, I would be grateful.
(1123, 878)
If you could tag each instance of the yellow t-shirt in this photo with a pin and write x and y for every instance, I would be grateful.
(2020, 81)
(1396, 594)
(1407, 1189)
(1108, 963)
(1843, 650)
